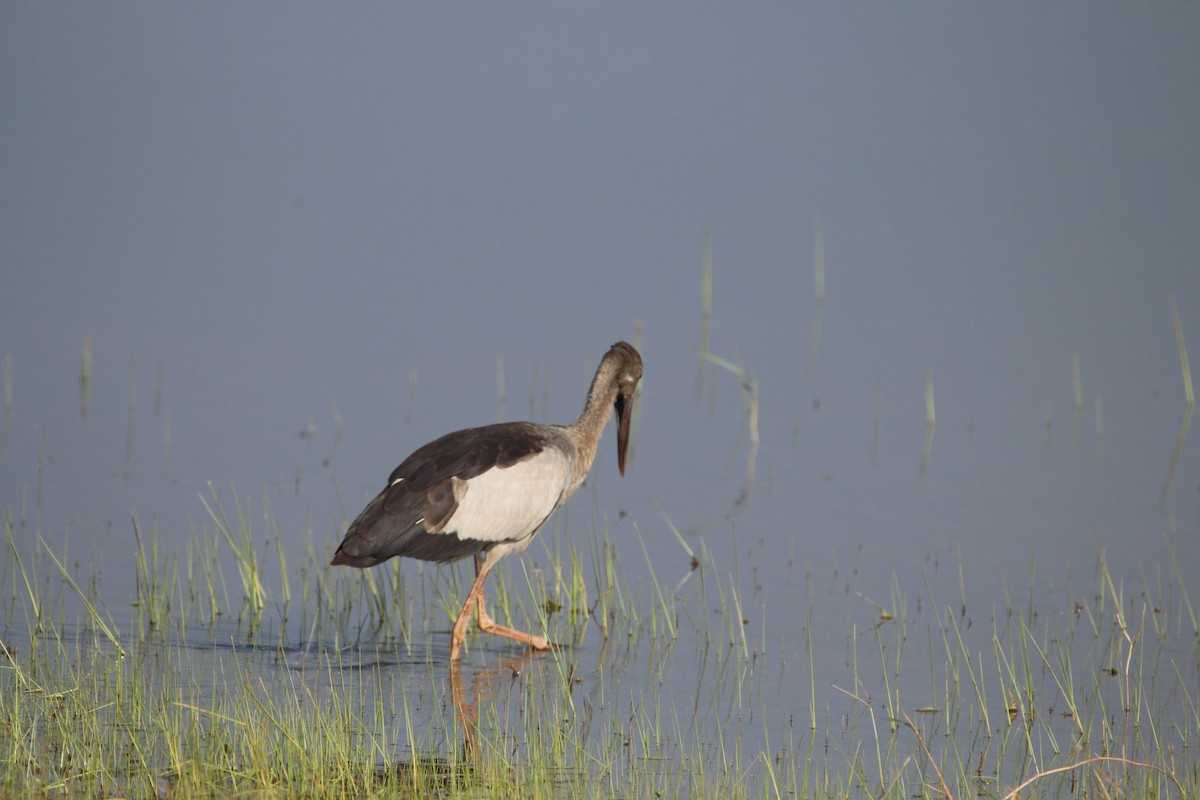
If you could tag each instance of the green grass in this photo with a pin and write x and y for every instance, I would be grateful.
(335, 683)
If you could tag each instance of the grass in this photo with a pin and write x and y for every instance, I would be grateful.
(706, 279)
(85, 377)
(814, 337)
(341, 691)
(1189, 402)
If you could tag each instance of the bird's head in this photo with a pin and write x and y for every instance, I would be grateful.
(628, 373)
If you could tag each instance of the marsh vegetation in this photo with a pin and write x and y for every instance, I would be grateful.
(303, 680)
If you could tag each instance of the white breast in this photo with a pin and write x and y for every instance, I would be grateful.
(511, 503)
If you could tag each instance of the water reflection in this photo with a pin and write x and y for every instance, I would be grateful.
(454, 772)
(486, 684)
(749, 387)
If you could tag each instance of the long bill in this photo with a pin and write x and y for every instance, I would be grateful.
(623, 407)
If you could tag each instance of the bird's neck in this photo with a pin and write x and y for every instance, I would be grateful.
(587, 429)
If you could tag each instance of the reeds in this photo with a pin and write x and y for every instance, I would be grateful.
(674, 693)
(1189, 402)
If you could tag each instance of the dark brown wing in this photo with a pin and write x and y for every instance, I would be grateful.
(406, 518)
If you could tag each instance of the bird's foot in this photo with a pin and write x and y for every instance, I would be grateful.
(489, 625)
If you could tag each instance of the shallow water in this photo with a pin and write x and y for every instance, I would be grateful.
(828, 599)
(295, 253)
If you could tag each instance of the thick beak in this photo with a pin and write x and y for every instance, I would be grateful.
(623, 407)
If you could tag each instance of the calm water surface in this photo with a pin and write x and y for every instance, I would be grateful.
(300, 251)
(830, 559)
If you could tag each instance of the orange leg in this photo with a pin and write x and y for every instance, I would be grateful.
(459, 633)
(486, 623)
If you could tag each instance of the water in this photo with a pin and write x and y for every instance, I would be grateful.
(294, 272)
(830, 582)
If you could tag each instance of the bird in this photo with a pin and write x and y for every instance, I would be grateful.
(486, 492)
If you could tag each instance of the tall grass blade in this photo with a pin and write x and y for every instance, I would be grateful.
(1189, 399)
(1077, 386)
(930, 422)
(94, 615)
(85, 377)
(8, 401)
(706, 278)
(818, 321)
(501, 391)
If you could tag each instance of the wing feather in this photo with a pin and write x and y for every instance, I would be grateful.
(458, 495)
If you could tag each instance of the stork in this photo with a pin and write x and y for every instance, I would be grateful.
(485, 492)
